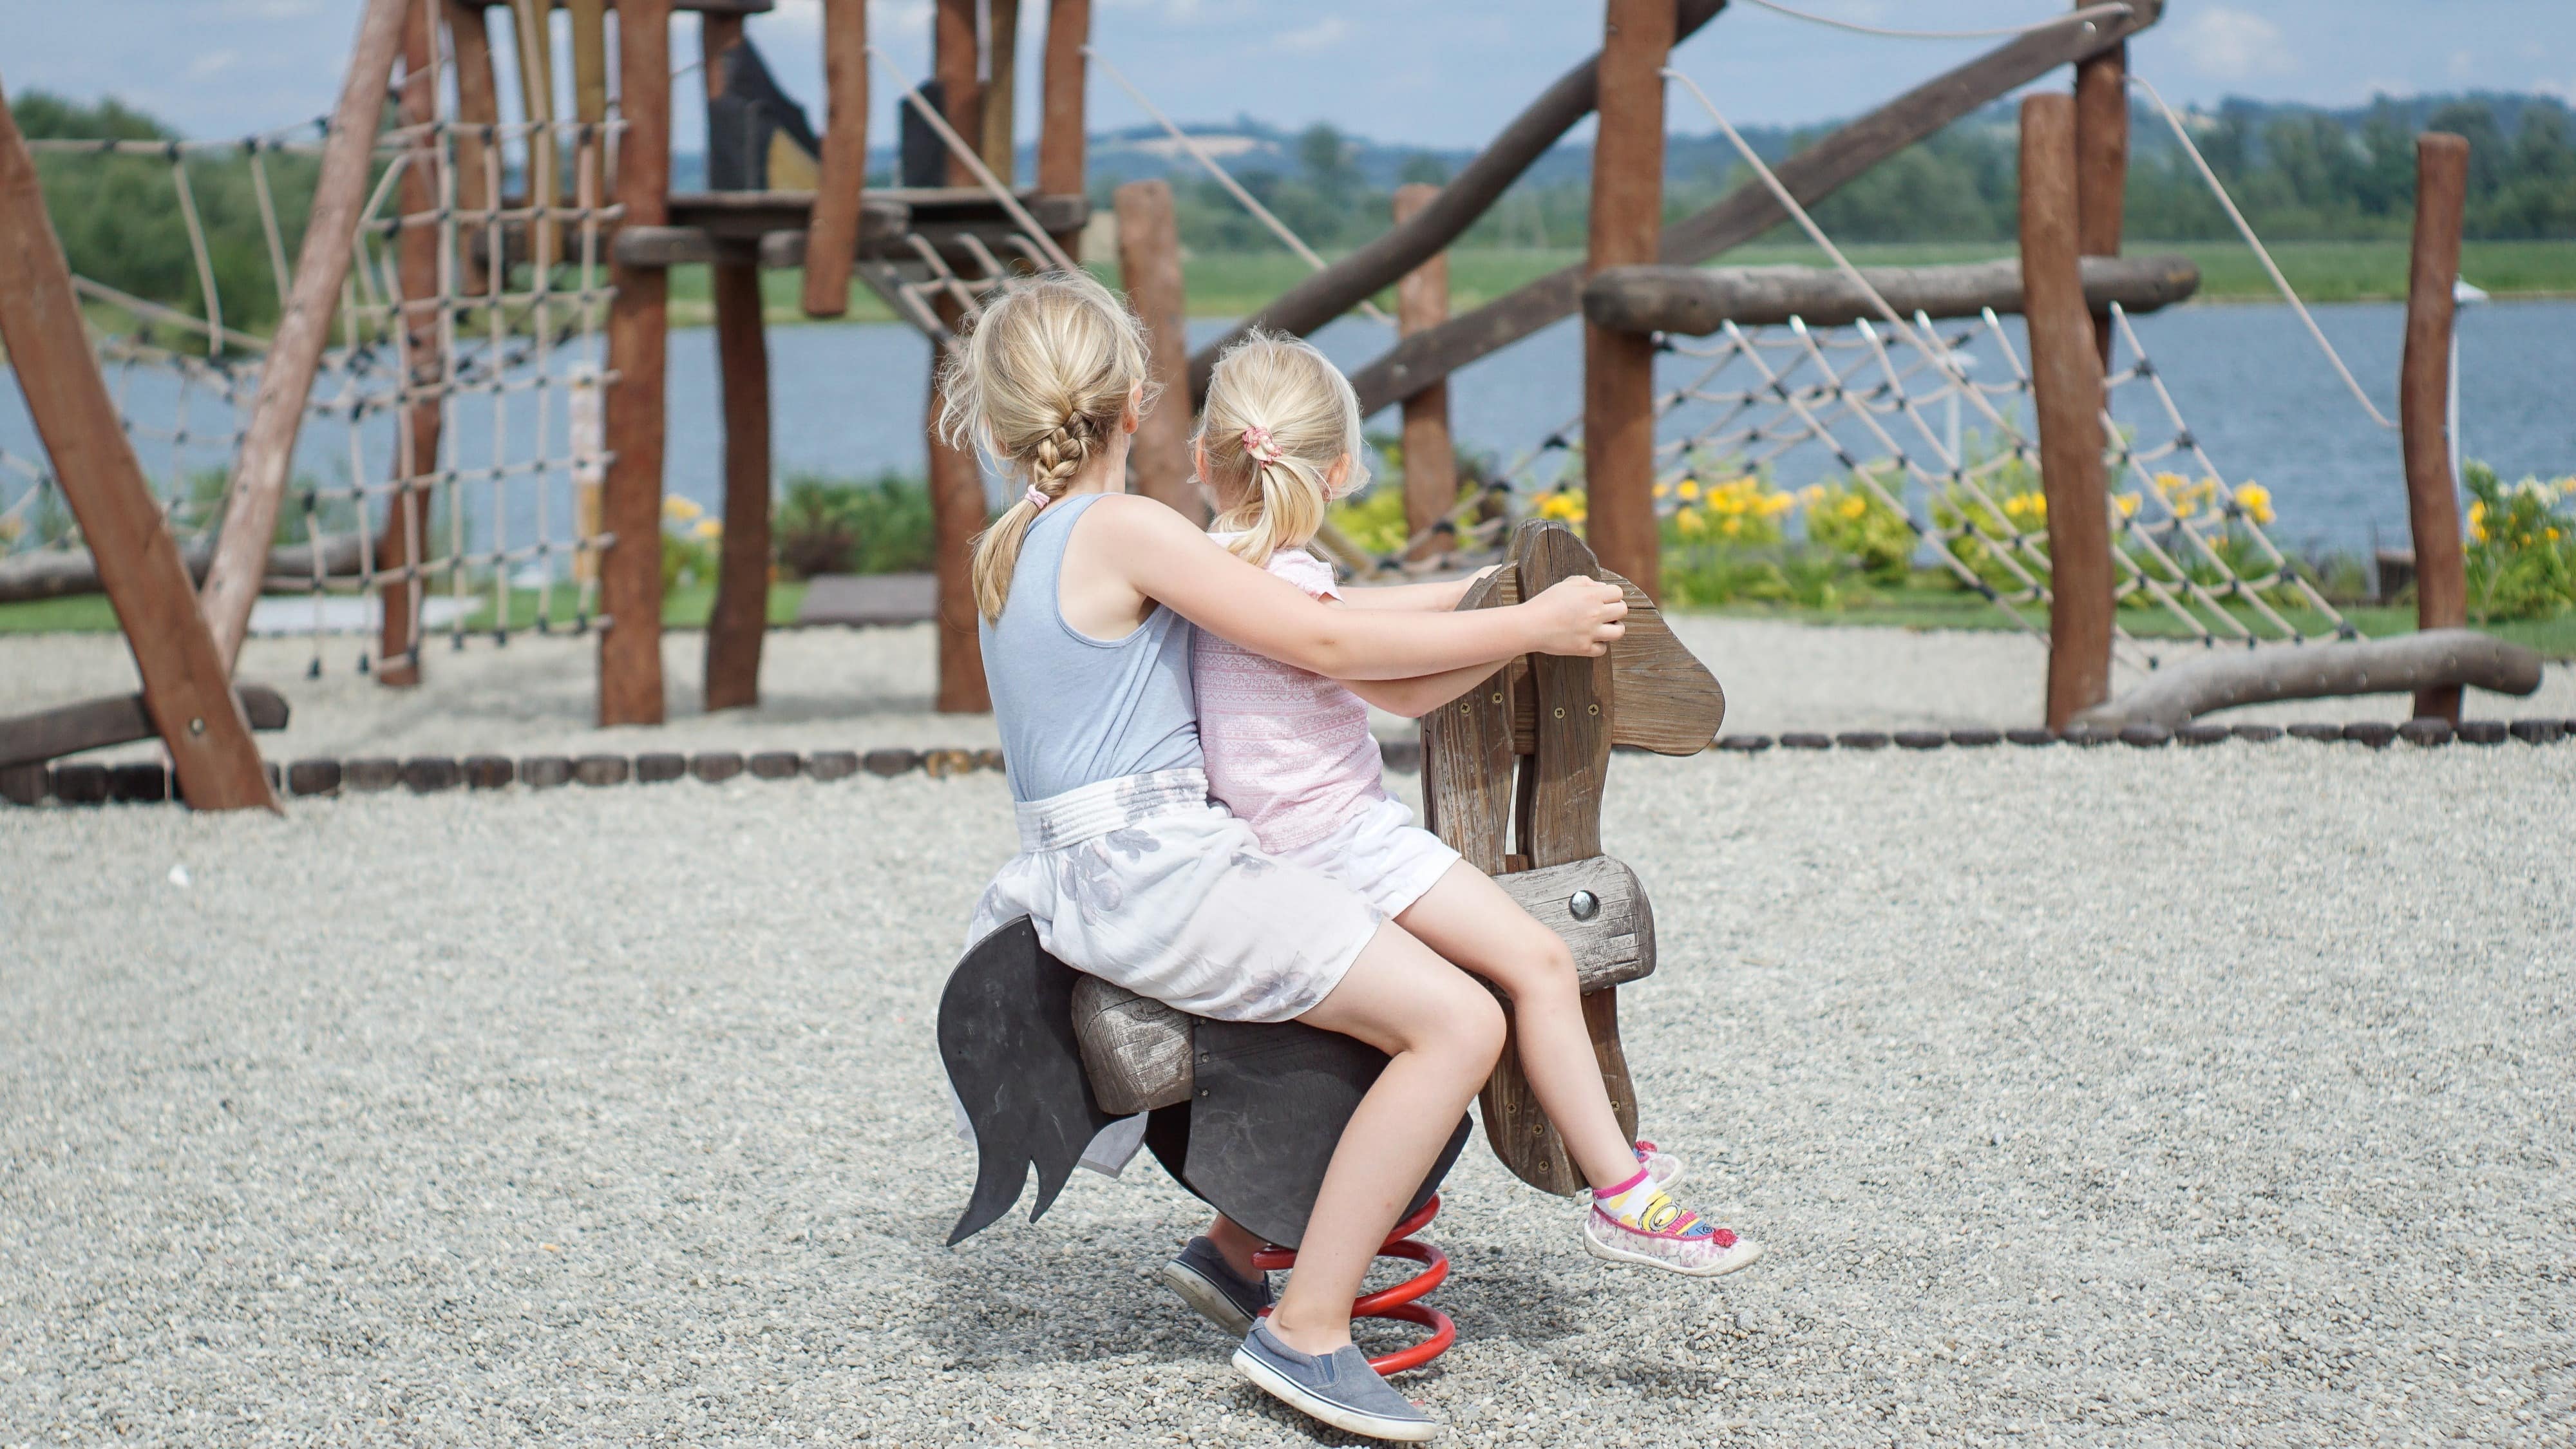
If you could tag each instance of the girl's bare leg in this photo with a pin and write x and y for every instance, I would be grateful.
(1237, 1243)
(1470, 920)
(1442, 1032)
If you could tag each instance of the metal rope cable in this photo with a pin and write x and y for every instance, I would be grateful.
(1223, 177)
(2087, 15)
(2246, 229)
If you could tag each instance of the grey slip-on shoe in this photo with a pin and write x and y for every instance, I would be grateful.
(1208, 1283)
(1339, 1388)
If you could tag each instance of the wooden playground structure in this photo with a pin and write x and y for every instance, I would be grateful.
(417, 227)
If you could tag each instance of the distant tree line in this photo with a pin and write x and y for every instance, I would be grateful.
(2299, 174)
(119, 216)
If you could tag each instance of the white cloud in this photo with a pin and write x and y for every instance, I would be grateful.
(2235, 45)
(213, 62)
(276, 9)
(2462, 65)
(1330, 31)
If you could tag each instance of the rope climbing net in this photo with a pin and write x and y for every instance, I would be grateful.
(451, 455)
(1897, 456)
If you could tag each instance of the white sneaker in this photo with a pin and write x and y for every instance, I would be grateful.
(1673, 1248)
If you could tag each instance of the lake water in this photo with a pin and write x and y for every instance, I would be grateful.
(848, 400)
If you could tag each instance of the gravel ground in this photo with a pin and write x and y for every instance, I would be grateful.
(857, 689)
(2084, 1097)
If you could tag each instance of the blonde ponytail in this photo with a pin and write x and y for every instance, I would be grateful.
(1038, 385)
(1278, 417)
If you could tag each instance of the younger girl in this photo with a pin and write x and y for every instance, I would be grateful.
(1125, 867)
(1289, 751)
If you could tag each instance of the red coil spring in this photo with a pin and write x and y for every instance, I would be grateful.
(1398, 1302)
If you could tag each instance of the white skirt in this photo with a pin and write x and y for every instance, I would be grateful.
(1145, 882)
(1380, 853)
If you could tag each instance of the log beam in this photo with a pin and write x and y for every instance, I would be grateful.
(738, 623)
(840, 194)
(957, 514)
(1430, 452)
(404, 542)
(185, 687)
(2066, 390)
(954, 57)
(1699, 300)
(630, 571)
(1748, 211)
(2407, 663)
(2423, 398)
(2101, 166)
(1627, 229)
(1149, 265)
(295, 348)
(1060, 124)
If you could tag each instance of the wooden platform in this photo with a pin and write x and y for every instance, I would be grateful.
(771, 224)
(870, 599)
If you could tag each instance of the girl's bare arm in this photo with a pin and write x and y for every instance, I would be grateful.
(1416, 697)
(1165, 558)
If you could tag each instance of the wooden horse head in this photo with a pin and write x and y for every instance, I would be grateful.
(1521, 760)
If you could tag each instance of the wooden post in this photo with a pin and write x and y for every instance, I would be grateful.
(589, 60)
(1001, 86)
(2423, 398)
(957, 514)
(1060, 126)
(2066, 387)
(1430, 454)
(185, 677)
(537, 106)
(832, 234)
(295, 348)
(740, 619)
(2101, 164)
(630, 573)
(1627, 230)
(478, 103)
(404, 544)
(953, 60)
(1149, 263)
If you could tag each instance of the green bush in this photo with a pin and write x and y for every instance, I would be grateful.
(2521, 546)
(842, 526)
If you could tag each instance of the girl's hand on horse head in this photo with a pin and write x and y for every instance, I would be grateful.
(1580, 616)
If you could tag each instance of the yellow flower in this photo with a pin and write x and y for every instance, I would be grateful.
(1692, 522)
(1731, 527)
(1854, 506)
(1688, 488)
(710, 528)
(2128, 504)
(2256, 500)
(1663, 490)
(679, 509)
(1562, 505)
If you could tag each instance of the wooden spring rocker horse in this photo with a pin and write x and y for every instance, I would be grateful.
(1246, 1115)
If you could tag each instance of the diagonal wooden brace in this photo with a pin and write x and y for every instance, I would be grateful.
(186, 680)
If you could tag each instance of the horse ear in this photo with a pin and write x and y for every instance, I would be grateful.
(1006, 1037)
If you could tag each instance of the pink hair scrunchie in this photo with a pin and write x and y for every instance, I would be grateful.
(1036, 498)
(1258, 443)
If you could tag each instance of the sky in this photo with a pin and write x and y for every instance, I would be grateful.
(1443, 73)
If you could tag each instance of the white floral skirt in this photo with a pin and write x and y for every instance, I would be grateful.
(1145, 882)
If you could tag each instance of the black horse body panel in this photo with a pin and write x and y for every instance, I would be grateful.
(1253, 1141)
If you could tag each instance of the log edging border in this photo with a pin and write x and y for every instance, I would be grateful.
(75, 782)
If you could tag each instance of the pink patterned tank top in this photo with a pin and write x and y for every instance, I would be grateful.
(1287, 751)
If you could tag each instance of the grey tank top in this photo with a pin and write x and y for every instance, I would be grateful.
(1075, 710)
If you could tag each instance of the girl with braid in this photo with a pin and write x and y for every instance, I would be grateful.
(1127, 869)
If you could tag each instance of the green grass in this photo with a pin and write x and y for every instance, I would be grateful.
(685, 608)
(1233, 284)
